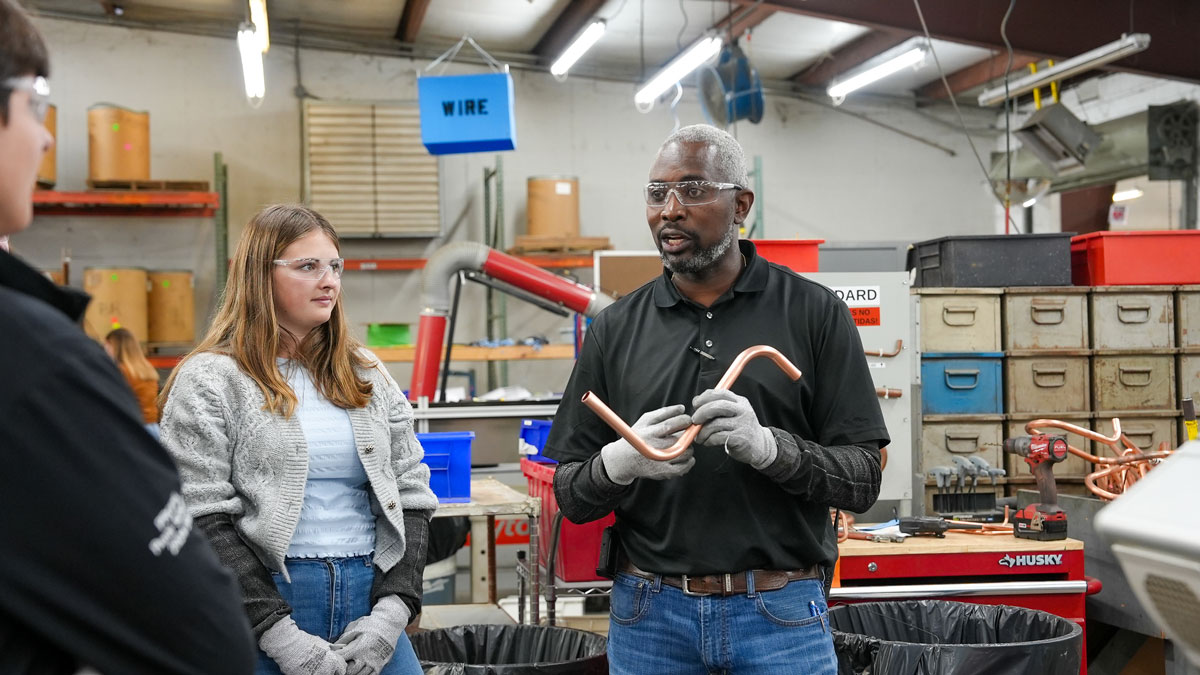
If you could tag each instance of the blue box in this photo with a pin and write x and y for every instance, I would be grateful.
(467, 113)
(448, 455)
(964, 383)
(534, 434)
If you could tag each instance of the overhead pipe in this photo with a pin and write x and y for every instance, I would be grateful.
(441, 269)
(685, 441)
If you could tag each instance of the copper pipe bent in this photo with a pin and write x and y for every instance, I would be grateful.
(685, 440)
(882, 354)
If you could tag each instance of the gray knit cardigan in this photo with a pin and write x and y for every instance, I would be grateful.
(235, 458)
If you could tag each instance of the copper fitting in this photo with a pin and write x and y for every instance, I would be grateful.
(886, 392)
(882, 354)
(685, 440)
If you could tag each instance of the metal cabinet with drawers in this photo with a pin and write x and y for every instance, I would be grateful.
(1141, 381)
(1041, 381)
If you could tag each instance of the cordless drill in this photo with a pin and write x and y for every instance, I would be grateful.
(1044, 520)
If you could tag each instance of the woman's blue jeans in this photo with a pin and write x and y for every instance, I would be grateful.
(326, 594)
(655, 628)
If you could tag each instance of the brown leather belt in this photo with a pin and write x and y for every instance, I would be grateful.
(727, 584)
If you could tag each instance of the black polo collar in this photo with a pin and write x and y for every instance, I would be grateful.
(20, 277)
(752, 279)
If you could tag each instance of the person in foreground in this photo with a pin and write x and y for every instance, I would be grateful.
(728, 549)
(100, 568)
(299, 460)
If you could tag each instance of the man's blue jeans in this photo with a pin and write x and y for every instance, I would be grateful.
(326, 594)
(655, 628)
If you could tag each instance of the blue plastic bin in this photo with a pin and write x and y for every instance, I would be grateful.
(448, 454)
(962, 383)
(534, 433)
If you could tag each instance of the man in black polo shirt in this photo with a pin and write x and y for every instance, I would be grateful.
(728, 548)
(99, 565)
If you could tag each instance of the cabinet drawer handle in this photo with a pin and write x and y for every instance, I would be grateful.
(972, 373)
(971, 445)
(966, 311)
(1049, 377)
(1133, 312)
(1047, 312)
(1136, 434)
(1142, 374)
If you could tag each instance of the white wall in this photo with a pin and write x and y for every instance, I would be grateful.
(827, 175)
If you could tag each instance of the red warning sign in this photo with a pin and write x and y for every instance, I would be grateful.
(865, 316)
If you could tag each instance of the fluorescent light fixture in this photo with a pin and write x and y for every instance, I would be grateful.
(578, 48)
(1126, 195)
(681, 65)
(842, 87)
(1127, 45)
(258, 17)
(1029, 202)
(252, 63)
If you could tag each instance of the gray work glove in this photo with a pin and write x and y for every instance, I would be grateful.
(727, 420)
(660, 429)
(368, 642)
(300, 653)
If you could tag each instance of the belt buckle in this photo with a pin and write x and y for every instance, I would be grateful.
(687, 591)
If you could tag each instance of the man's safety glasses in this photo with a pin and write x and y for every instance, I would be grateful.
(312, 269)
(39, 93)
(687, 193)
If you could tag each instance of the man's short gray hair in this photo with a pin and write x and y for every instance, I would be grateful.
(730, 158)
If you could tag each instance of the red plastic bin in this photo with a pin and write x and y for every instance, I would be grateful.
(578, 545)
(801, 255)
(1136, 258)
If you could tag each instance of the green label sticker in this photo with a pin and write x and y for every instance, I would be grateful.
(166, 283)
(113, 277)
(116, 126)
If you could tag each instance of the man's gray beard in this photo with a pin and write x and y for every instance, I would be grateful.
(703, 258)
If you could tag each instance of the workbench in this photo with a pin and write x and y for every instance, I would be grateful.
(983, 569)
(491, 498)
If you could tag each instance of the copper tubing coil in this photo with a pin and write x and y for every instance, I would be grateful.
(882, 354)
(885, 392)
(1119, 472)
(685, 440)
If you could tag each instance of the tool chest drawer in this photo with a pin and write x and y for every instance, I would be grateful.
(1073, 466)
(1047, 382)
(943, 438)
(1132, 318)
(1133, 382)
(962, 384)
(1146, 430)
(1187, 317)
(1050, 318)
(960, 320)
(1188, 373)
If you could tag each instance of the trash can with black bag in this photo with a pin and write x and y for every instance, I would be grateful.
(511, 650)
(936, 637)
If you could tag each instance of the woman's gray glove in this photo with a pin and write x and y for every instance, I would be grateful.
(659, 429)
(300, 653)
(727, 420)
(368, 642)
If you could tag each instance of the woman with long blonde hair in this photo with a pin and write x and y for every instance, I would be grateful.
(299, 461)
(125, 349)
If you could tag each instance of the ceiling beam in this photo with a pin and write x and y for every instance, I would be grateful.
(977, 74)
(573, 18)
(411, 19)
(849, 56)
(1061, 29)
(744, 19)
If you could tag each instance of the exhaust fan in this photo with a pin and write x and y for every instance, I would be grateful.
(731, 91)
(1058, 138)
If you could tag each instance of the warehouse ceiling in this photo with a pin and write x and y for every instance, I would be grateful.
(797, 45)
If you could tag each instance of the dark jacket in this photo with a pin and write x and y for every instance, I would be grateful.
(99, 562)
